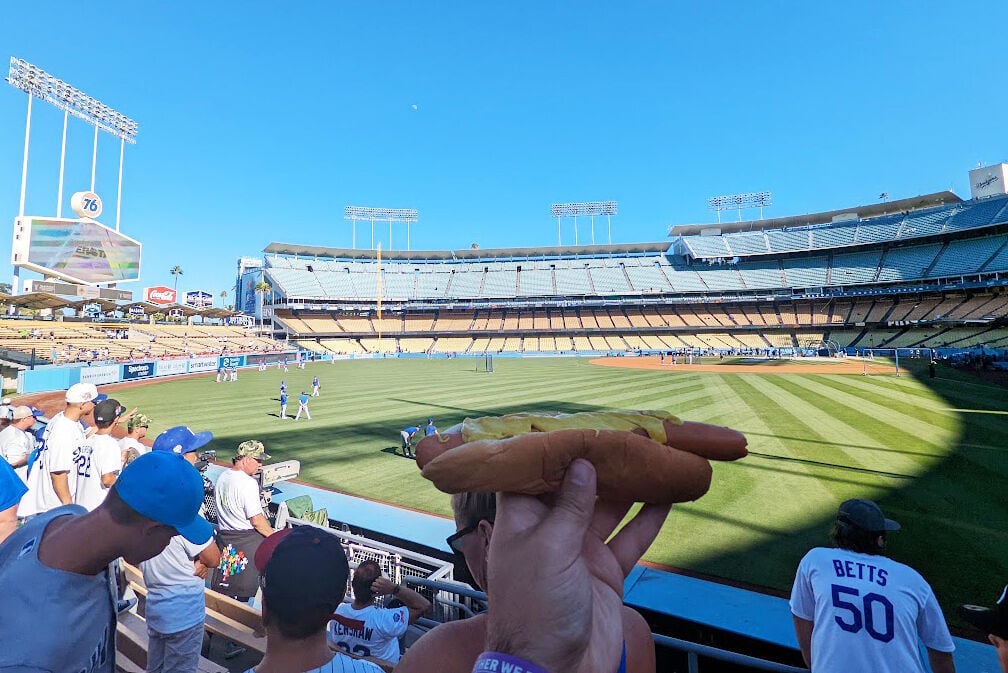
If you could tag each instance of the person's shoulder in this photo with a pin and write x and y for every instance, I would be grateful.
(451, 647)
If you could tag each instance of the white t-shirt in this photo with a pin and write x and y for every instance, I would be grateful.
(370, 631)
(175, 599)
(99, 456)
(15, 445)
(342, 664)
(62, 437)
(868, 612)
(237, 500)
(130, 443)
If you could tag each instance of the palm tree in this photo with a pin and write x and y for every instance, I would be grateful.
(261, 289)
(223, 297)
(176, 271)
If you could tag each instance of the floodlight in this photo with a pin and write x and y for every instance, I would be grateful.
(590, 208)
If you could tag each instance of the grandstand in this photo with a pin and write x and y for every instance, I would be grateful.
(923, 272)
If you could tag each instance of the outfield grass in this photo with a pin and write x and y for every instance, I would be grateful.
(932, 453)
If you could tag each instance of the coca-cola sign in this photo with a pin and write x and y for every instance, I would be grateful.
(161, 295)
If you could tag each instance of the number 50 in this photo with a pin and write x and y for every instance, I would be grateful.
(863, 616)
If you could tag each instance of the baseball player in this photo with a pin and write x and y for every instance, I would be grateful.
(303, 406)
(283, 404)
(315, 387)
(855, 609)
(407, 438)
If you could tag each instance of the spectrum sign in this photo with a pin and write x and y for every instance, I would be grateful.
(160, 295)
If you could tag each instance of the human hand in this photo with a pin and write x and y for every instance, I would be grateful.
(382, 586)
(200, 570)
(555, 585)
(1001, 645)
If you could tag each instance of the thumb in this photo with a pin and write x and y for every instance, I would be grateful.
(574, 505)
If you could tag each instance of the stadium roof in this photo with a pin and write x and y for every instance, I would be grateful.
(869, 210)
(315, 251)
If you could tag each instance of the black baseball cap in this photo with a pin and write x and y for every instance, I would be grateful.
(866, 515)
(302, 569)
(107, 411)
(989, 620)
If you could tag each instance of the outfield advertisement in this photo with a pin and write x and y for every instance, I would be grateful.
(137, 370)
(100, 375)
(204, 364)
(232, 361)
(169, 367)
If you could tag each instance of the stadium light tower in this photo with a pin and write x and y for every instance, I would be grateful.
(405, 215)
(590, 208)
(37, 83)
(740, 201)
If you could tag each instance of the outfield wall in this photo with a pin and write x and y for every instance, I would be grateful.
(60, 377)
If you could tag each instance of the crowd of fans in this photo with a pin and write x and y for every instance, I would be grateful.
(75, 503)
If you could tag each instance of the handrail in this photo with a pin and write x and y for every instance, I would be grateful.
(693, 650)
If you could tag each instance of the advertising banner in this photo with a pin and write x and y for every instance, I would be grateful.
(136, 309)
(199, 299)
(207, 364)
(137, 370)
(232, 361)
(169, 367)
(100, 375)
(989, 181)
(160, 295)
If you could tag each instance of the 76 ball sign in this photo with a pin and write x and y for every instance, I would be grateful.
(86, 204)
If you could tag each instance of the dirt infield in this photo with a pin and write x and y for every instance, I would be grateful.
(748, 366)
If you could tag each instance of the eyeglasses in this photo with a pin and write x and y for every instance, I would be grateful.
(453, 540)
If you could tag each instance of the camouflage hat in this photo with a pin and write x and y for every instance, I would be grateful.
(138, 420)
(252, 448)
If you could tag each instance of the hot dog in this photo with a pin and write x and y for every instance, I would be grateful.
(529, 453)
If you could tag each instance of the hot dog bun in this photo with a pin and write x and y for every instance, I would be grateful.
(630, 465)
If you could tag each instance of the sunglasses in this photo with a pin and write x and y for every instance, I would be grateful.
(453, 540)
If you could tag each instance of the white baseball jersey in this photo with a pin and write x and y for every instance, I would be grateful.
(99, 456)
(16, 445)
(369, 631)
(237, 500)
(868, 612)
(62, 437)
(130, 443)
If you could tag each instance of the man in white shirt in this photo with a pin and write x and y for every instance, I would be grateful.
(16, 443)
(52, 479)
(855, 609)
(136, 430)
(366, 629)
(99, 460)
(241, 523)
(176, 609)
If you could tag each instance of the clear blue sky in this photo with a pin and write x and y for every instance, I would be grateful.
(260, 121)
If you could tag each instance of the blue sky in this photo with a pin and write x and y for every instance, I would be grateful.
(260, 121)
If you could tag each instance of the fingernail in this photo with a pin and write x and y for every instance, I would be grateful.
(580, 471)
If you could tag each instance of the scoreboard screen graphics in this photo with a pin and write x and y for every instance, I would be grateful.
(80, 251)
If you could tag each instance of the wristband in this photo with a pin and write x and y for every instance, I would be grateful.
(495, 662)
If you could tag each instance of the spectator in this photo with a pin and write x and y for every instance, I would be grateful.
(16, 443)
(242, 525)
(6, 409)
(993, 622)
(364, 628)
(63, 555)
(406, 434)
(176, 609)
(99, 461)
(304, 573)
(454, 646)
(11, 490)
(837, 592)
(136, 430)
(52, 478)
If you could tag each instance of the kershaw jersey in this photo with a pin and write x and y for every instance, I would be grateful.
(868, 612)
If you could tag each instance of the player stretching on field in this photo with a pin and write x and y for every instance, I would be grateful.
(283, 404)
(303, 406)
(856, 610)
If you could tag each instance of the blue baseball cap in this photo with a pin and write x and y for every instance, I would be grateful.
(164, 487)
(180, 440)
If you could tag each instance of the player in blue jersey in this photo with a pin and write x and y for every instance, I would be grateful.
(855, 609)
(283, 404)
(303, 406)
(407, 439)
(315, 387)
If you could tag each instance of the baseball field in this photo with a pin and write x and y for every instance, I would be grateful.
(933, 453)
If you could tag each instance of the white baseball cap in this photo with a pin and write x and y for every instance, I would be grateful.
(79, 393)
